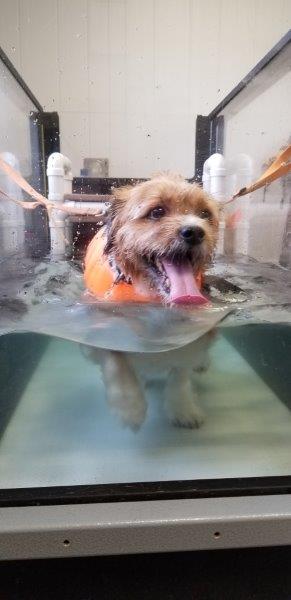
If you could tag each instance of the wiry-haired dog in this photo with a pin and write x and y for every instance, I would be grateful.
(160, 235)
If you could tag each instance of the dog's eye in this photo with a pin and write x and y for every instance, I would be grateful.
(157, 212)
(205, 214)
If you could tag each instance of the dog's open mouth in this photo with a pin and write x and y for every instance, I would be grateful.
(176, 281)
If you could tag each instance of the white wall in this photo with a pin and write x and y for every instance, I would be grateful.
(128, 77)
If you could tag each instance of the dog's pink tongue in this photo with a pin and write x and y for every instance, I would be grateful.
(184, 289)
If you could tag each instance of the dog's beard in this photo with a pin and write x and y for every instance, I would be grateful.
(169, 274)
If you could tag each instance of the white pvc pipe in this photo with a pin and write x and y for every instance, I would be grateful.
(101, 207)
(214, 183)
(243, 170)
(206, 176)
(94, 206)
(11, 215)
(214, 174)
(59, 172)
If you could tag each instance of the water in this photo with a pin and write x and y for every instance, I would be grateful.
(55, 422)
(49, 297)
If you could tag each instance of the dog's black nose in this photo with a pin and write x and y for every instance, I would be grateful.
(192, 235)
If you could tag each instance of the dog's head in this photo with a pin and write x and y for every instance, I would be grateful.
(161, 233)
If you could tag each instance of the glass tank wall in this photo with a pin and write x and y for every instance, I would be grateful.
(97, 392)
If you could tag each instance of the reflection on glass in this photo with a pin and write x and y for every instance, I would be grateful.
(60, 429)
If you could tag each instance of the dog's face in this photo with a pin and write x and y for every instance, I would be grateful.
(162, 233)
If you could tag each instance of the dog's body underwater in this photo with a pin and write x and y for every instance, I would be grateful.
(127, 375)
(160, 237)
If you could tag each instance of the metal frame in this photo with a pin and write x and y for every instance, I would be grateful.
(101, 185)
(141, 527)
(147, 491)
(210, 128)
(209, 139)
(7, 62)
(45, 139)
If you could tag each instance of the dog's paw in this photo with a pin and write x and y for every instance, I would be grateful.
(202, 363)
(203, 368)
(133, 417)
(129, 408)
(191, 417)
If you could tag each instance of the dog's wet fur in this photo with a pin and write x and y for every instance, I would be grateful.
(146, 226)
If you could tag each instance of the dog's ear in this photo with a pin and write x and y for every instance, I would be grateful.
(120, 197)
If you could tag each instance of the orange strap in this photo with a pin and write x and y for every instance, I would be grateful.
(279, 167)
(39, 198)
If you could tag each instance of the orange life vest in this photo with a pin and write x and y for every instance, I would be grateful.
(99, 277)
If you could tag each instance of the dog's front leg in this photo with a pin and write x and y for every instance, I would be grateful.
(124, 393)
(181, 400)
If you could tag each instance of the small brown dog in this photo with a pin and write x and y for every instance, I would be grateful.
(160, 235)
